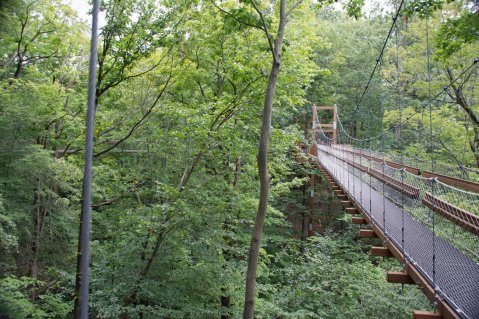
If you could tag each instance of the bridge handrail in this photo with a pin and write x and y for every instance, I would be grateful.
(459, 216)
(446, 179)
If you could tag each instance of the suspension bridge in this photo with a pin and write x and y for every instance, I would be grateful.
(428, 221)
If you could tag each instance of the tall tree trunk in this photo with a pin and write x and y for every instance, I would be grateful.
(19, 68)
(37, 231)
(225, 298)
(264, 177)
(226, 304)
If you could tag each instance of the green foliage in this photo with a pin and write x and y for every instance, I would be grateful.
(16, 302)
(423, 7)
(331, 278)
(353, 8)
(8, 236)
(456, 33)
(180, 92)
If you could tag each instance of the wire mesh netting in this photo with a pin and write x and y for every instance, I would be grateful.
(419, 231)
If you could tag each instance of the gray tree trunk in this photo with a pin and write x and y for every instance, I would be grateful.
(262, 158)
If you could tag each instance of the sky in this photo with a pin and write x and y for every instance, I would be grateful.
(83, 6)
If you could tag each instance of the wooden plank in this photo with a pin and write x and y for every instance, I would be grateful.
(346, 203)
(467, 185)
(458, 216)
(395, 251)
(397, 277)
(352, 211)
(419, 314)
(381, 252)
(446, 310)
(359, 221)
(422, 283)
(367, 233)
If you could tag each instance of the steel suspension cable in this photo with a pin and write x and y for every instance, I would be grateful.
(381, 105)
(435, 97)
(361, 173)
(380, 56)
(399, 104)
(370, 178)
(431, 139)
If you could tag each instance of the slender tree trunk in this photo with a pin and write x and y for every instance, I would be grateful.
(303, 214)
(264, 192)
(19, 68)
(225, 298)
(37, 230)
(264, 177)
(226, 304)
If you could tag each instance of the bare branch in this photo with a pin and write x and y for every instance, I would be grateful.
(293, 7)
(42, 57)
(124, 78)
(268, 36)
(114, 199)
(236, 19)
(140, 122)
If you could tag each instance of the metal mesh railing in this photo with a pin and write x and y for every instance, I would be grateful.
(425, 223)
(457, 211)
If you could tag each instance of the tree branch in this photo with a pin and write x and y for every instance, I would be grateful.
(268, 36)
(293, 7)
(236, 19)
(138, 123)
(114, 199)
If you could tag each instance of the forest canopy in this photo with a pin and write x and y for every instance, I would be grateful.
(179, 97)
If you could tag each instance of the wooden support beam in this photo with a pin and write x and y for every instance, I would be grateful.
(359, 221)
(346, 203)
(381, 252)
(352, 211)
(418, 314)
(397, 277)
(367, 233)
